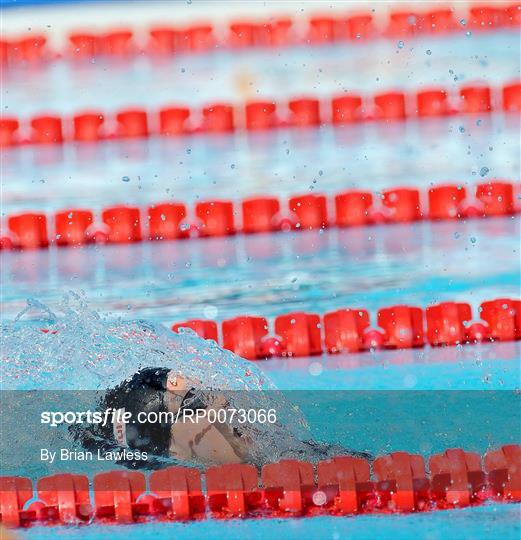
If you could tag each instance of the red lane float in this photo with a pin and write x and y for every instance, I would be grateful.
(29, 230)
(446, 323)
(132, 123)
(179, 493)
(301, 334)
(167, 221)
(172, 221)
(457, 478)
(345, 485)
(124, 224)
(244, 336)
(260, 215)
(257, 115)
(260, 115)
(346, 109)
(504, 472)
(310, 211)
(216, 218)
(87, 127)
(71, 227)
(46, 129)
(8, 131)
(173, 121)
(344, 330)
(402, 326)
(203, 328)
(320, 29)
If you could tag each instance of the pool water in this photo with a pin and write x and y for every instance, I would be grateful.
(461, 397)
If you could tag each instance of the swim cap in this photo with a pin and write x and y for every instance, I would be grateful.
(144, 392)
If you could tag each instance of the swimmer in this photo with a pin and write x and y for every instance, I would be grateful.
(162, 390)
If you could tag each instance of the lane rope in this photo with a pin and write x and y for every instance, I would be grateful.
(345, 485)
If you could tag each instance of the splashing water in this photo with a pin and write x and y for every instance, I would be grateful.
(81, 350)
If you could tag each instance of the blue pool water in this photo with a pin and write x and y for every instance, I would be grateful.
(166, 282)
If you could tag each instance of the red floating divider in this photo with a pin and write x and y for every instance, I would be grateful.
(179, 493)
(402, 24)
(163, 40)
(446, 323)
(486, 17)
(172, 121)
(304, 112)
(200, 38)
(216, 218)
(203, 328)
(46, 129)
(310, 211)
(66, 497)
(360, 27)
(344, 330)
(497, 198)
(87, 126)
(244, 336)
(445, 202)
(299, 333)
(279, 32)
(232, 490)
(29, 230)
(351, 478)
(432, 103)
(345, 487)
(402, 205)
(390, 106)
(124, 224)
(132, 123)
(260, 215)
(503, 317)
(513, 15)
(402, 483)
(456, 477)
(403, 327)
(260, 115)
(116, 494)
(71, 227)
(286, 484)
(218, 118)
(353, 208)
(30, 49)
(475, 99)
(242, 34)
(321, 30)
(8, 131)
(504, 472)
(346, 109)
(118, 43)
(84, 45)
(439, 21)
(166, 221)
(15, 492)
(512, 97)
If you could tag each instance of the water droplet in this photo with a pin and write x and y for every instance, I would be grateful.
(400, 44)
(428, 51)
(125, 179)
(484, 171)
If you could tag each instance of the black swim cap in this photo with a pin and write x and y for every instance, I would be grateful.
(144, 392)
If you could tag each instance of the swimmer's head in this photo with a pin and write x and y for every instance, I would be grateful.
(145, 392)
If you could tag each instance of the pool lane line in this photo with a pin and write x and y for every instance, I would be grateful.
(275, 33)
(124, 224)
(301, 112)
(394, 483)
